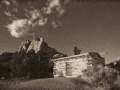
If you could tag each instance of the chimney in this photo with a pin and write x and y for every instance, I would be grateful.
(76, 51)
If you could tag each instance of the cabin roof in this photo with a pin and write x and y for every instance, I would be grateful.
(58, 59)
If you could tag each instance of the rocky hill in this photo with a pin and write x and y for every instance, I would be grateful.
(40, 45)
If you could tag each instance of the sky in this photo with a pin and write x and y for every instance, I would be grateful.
(90, 25)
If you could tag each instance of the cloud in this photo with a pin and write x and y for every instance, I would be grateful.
(15, 9)
(60, 11)
(54, 5)
(20, 28)
(25, 27)
(14, 2)
(43, 21)
(11, 16)
(6, 2)
(51, 5)
(36, 18)
(55, 24)
(8, 14)
(33, 14)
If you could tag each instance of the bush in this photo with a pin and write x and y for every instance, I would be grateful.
(101, 73)
(99, 78)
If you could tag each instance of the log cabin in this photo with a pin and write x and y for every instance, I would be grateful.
(73, 66)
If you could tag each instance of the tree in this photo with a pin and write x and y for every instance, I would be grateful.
(16, 63)
(30, 64)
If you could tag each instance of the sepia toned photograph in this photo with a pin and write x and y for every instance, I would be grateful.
(59, 44)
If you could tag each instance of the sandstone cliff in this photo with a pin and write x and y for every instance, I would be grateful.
(35, 44)
(40, 45)
(25, 45)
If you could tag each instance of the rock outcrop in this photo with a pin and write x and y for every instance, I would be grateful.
(25, 45)
(35, 44)
(40, 45)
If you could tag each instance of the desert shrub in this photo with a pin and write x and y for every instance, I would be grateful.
(98, 78)
(116, 85)
(102, 78)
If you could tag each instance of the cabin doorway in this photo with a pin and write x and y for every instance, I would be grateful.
(69, 68)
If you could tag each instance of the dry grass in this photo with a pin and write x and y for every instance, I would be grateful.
(53, 84)
(102, 79)
(38, 84)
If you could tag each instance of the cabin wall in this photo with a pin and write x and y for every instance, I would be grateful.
(71, 67)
